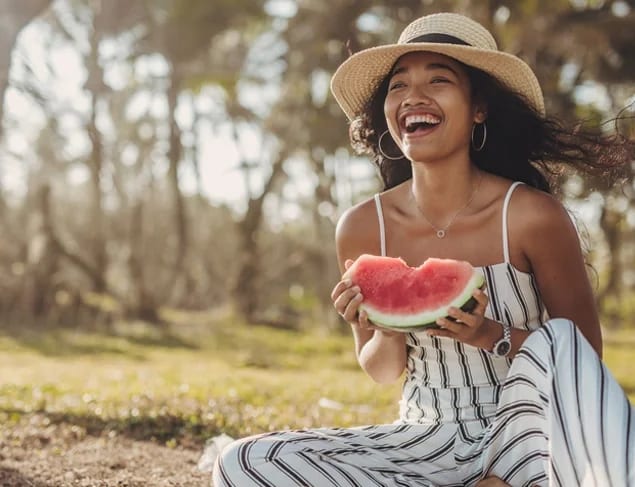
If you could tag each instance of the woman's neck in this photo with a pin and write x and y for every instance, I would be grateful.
(440, 190)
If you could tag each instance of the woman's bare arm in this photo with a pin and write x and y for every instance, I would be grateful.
(382, 354)
(551, 244)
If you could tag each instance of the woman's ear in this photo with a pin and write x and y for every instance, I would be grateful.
(480, 113)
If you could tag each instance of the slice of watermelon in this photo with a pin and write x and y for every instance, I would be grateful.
(412, 298)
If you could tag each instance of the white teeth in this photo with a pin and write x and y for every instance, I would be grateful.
(425, 118)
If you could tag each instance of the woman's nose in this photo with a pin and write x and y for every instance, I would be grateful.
(417, 95)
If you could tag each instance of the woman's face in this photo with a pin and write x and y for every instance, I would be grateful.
(428, 107)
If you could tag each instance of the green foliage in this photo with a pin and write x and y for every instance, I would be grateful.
(190, 25)
(234, 44)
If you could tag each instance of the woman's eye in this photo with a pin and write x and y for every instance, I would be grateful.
(395, 85)
(440, 80)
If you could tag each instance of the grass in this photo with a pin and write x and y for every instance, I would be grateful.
(194, 380)
(619, 356)
(188, 384)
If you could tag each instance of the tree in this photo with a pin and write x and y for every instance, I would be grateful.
(15, 16)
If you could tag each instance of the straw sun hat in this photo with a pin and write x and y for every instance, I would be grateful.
(453, 35)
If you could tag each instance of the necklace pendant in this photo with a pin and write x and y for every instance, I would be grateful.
(440, 233)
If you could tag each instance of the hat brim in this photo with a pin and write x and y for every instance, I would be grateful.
(358, 77)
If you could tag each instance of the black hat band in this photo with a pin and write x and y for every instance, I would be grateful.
(439, 39)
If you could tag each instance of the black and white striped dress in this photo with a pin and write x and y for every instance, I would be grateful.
(555, 416)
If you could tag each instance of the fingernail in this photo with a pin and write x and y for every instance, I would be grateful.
(359, 296)
(356, 289)
(348, 282)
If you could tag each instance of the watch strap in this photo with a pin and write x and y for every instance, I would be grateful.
(502, 347)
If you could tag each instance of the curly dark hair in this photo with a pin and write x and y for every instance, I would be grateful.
(522, 145)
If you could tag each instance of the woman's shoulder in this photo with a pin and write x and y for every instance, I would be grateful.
(536, 208)
(358, 226)
(362, 221)
(527, 206)
(539, 221)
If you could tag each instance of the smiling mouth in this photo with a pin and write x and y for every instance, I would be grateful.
(414, 123)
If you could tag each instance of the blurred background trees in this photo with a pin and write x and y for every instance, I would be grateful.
(188, 154)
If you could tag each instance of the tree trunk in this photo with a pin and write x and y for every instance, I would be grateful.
(325, 232)
(42, 258)
(175, 152)
(610, 298)
(245, 290)
(143, 306)
(14, 16)
(95, 85)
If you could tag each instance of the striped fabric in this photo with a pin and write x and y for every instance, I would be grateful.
(561, 420)
(560, 409)
(554, 416)
(461, 382)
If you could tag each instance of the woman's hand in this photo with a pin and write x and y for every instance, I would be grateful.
(471, 328)
(347, 298)
(380, 352)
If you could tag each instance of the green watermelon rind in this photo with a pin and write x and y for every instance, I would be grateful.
(427, 319)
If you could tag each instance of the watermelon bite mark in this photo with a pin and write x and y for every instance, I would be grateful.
(409, 298)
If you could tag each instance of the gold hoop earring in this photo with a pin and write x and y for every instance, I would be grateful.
(381, 151)
(479, 147)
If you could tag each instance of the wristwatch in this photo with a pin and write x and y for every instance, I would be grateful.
(503, 346)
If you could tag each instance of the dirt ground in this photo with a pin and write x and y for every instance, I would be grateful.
(34, 453)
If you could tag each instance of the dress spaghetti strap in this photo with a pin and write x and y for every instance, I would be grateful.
(382, 227)
(505, 208)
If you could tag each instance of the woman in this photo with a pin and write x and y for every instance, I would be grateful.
(502, 395)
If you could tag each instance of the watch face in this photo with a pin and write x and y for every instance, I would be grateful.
(503, 348)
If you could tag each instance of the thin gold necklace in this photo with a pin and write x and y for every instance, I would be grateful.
(442, 232)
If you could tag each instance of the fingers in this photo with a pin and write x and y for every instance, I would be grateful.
(481, 302)
(350, 313)
(473, 317)
(456, 320)
(346, 300)
(339, 288)
(460, 323)
(363, 320)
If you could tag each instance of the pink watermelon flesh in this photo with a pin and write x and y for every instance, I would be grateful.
(403, 297)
